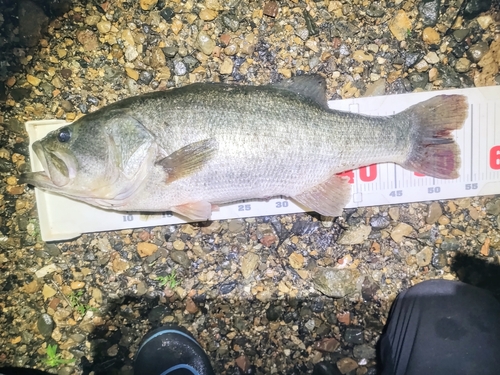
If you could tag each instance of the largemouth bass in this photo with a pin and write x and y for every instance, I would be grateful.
(190, 149)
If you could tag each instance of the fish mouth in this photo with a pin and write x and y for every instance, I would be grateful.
(59, 168)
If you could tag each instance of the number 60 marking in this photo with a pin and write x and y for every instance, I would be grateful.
(495, 157)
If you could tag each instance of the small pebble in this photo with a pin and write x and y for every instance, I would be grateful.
(346, 365)
(179, 245)
(271, 9)
(208, 14)
(485, 21)
(148, 4)
(145, 77)
(77, 285)
(476, 52)
(296, 260)
(462, 65)
(431, 36)
(227, 66)
(33, 80)
(354, 335)
(401, 231)
(131, 53)
(434, 213)
(205, 43)
(167, 14)
(179, 68)
(104, 27)
(180, 257)
(48, 292)
(146, 249)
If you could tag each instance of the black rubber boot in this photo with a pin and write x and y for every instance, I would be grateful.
(21, 371)
(171, 350)
(442, 327)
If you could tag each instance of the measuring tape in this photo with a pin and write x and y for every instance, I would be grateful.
(382, 184)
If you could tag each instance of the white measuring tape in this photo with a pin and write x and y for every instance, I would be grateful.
(62, 218)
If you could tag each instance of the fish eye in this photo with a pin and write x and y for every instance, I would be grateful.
(64, 135)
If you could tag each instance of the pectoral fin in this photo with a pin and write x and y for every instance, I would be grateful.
(195, 211)
(188, 159)
(328, 198)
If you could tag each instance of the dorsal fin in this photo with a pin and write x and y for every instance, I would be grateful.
(311, 86)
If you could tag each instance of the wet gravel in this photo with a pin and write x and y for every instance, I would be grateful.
(266, 295)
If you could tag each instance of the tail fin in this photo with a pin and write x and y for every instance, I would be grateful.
(434, 152)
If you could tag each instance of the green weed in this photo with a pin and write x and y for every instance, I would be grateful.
(53, 359)
(170, 280)
(77, 304)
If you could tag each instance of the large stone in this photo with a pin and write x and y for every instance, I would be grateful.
(32, 23)
(424, 257)
(45, 325)
(429, 11)
(327, 345)
(364, 351)
(335, 282)
(493, 207)
(477, 51)
(399, 25)
(434, 213)
(355, 235)
(180, 257)
(354, 335)
(88, 39)
(401, 231)
(475, 7)
(249, 263)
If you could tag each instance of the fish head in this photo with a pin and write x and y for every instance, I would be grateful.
(101, 158)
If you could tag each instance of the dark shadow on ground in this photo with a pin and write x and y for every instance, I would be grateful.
(128, 310)
(478, 272)
(112, 347)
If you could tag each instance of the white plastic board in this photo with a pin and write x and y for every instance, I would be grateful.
(62, 218)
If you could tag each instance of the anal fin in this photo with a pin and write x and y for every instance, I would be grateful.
(200, 210)
(328, 198)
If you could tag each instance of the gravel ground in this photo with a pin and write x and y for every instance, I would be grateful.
(267, 295)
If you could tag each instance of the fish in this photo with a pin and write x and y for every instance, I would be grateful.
(190, 149)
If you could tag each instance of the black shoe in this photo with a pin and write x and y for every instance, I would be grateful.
(21, 371)
(171, 350)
